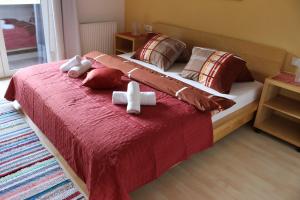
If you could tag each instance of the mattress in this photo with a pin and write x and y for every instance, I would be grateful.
(242, 93)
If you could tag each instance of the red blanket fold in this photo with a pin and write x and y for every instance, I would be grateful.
(113, 152)
(202, 100)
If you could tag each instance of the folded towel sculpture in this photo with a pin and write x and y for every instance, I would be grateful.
(75, 61)
(134, 98)
(79, 70)
(147, 98)
(76, 67)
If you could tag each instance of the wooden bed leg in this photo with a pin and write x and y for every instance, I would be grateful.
(257, 130)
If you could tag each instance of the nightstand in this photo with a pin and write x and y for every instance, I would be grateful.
(126, 42)
(279, 109)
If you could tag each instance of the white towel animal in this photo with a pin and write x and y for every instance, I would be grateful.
(133, 98)
(147, 98)
(75, 61)
(77, 71)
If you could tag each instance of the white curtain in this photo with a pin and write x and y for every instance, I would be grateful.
(71, 28)
(61, 29)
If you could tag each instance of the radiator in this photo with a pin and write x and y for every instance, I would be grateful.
(98, 37)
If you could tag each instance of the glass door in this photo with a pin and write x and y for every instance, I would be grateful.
(21, 35)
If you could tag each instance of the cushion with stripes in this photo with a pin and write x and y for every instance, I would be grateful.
(215, 69)
(161, 51)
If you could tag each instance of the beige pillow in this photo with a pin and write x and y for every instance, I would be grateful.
(161, 51)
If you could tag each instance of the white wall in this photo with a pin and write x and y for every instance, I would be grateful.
(102, 10)
(20, 12)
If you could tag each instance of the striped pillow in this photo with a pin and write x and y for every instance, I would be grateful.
(161, 51)
(214, 69)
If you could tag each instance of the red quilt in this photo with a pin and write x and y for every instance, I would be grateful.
(112, 151)
(22, 36)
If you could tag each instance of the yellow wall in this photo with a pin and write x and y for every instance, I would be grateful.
(271, 22)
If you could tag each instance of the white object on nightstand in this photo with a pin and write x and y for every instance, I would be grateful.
(148, 28)
(296, 63)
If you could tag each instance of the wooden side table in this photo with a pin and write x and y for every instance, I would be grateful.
(126, 42)
(279, 109)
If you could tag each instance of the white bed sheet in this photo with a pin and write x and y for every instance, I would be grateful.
(242, 93)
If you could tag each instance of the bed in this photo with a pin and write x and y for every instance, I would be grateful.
(115, 153)
(21, 38)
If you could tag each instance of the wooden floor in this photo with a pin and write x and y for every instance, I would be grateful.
(245, 165)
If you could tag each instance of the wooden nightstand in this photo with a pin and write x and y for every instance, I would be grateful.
(126, 42)
(279, 109)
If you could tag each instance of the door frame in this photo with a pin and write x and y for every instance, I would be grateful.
(1, 67)
(4, 65)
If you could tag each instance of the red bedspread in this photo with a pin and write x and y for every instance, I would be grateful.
(22, 36)
(112, 151)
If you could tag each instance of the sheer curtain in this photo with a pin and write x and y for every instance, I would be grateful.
(61, 27)
(40, 37)
(71, 28)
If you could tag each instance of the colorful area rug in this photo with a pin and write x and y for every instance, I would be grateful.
(27, 169)
(3, 101)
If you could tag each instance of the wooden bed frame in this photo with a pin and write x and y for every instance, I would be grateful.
(263, 61)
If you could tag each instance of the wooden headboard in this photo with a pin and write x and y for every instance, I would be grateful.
(262, 60)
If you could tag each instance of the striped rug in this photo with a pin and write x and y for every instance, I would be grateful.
(27, 169)
(3, 101)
